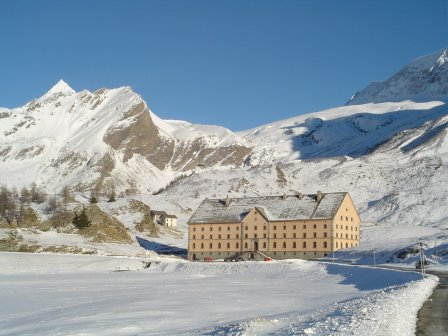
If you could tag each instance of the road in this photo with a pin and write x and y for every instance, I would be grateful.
(433, 316)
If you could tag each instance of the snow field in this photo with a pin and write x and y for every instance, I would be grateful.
(85, 295)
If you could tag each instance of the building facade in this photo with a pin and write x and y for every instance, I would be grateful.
(281, 227)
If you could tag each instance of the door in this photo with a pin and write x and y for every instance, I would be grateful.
(255, 246)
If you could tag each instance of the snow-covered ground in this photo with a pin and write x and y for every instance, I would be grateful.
(44, 294)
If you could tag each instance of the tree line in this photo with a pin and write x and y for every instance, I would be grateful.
(14, 204)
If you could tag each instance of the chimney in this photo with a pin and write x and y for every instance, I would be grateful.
(227, 201)
(284, 196)
(319, 196)
(299, 195)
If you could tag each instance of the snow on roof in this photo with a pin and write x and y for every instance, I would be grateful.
(274, 208)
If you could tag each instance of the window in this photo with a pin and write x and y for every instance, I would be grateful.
(356, 236)
(346, 227)
(304, 226)
(275, 227)
(325, 226)
(284, 227)
(237, 236)
(219, 245)
(245, 245)
(346, 245)
(228, 228)
(351, 219)
(275, 235)
(304, 244)
(202, 229)
(284, 235)
(294, 245)
(194, 229)
(314, 234)
(228, 245)
(314, 244)
(194, 237)
(255, 235)
(264, 244)
(325, 244)
(264, 235)
(219, 228)
(211, 228)
(342, 218)
(356, 229)
(237, 245)
(284, 244)
(294, 235)
(336, 244)
(346, 236)
(211, 245)
(336, 235)
(275, 245)
(255, 227)
(245, 235)
(194, 245)
(202, 236)
(219, 236)
(325, 235)
(245, 228)
(228, 236)
(264, 227)
(336, 226)
(237, 228)
(202, 245)
(294, 227)
(314, 226)
(304, 235)
(346, 218)
(211, 236)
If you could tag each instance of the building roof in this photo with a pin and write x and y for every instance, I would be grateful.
(274, 208)
(158, 212)
(169, 216)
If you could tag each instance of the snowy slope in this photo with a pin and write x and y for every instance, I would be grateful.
(74, 295)
(424, 79)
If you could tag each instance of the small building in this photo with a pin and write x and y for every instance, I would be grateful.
(163, 218)
(156, 215)
(279, 227)
(169, 220)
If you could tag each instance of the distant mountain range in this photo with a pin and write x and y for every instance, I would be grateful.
(83, 139)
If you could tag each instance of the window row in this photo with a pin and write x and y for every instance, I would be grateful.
(255, 228)
(228, 245)
(346, 227)
(264, 235)
(346, 236)
(346, 218)
(347, 245)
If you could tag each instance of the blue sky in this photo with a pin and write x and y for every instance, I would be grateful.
(235, 63)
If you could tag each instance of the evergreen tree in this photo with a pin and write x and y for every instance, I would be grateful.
(81, 221)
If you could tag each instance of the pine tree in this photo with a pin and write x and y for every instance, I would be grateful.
(81, 221)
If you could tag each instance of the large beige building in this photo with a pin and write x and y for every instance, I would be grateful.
(281, 227)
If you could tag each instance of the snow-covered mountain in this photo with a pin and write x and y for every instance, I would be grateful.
(390, 154)
(424, 79)
(82, 139)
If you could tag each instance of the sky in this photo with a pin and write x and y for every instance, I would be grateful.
(234, 63)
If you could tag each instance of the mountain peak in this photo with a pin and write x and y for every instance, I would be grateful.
(60, 87)
(423, 79)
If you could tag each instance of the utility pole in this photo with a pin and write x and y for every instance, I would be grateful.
(422, 260)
